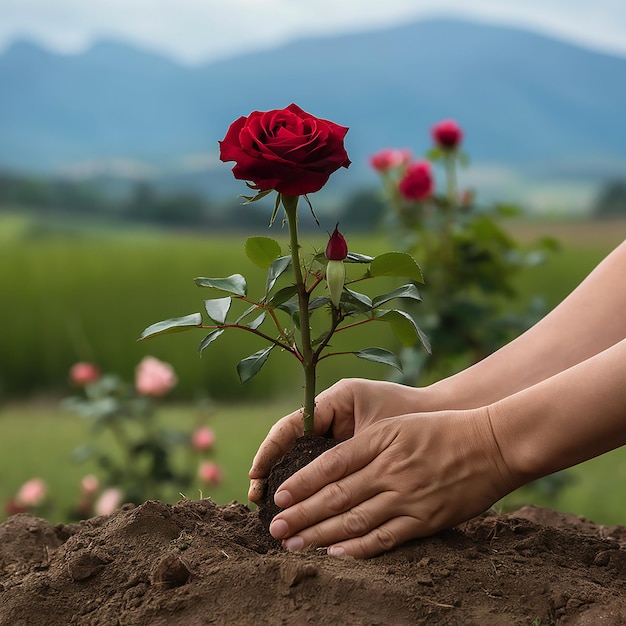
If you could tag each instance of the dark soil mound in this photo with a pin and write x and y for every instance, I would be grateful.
(200, 563)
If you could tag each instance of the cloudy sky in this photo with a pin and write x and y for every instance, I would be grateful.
(201, 30)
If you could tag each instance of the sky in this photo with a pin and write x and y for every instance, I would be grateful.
(197, 31)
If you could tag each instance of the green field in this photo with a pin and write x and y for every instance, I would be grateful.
(87, 296)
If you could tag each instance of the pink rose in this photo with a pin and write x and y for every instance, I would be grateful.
(31, 493)
(109, 501)
(390, 158)
(154, 377)
(447, 134)
(210, 473)
(83, 373)
(288, 150)
(89, 484)
(202, 439)
(417, 182)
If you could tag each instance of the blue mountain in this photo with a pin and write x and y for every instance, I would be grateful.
(525, 100)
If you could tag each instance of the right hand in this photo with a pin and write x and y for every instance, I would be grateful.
(342, 410)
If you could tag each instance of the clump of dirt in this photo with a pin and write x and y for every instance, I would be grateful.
(198, 563)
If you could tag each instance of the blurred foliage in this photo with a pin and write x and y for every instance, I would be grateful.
(611, 201)
(470, 264)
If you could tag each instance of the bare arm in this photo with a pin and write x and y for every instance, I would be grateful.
(588, 321)
(413, 475)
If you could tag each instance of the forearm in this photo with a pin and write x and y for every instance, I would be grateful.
(587, 322)
(566, 419)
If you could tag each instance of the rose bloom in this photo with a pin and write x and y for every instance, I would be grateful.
(109, 500)
(209, 473)
(447, 134)
(288, 150)
(202, 439)
(389, 158)
(417, 182)
(31, 493)
(83, 373)
(154, 377)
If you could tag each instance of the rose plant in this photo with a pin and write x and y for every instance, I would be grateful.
(470, 259)
(293, 153)
(144, 463)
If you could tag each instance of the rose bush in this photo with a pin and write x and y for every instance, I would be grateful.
(287, 150)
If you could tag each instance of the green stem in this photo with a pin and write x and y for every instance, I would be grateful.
(290, 203)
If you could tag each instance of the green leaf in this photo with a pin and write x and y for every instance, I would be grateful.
(257, 321)
(354, 257)
(250, 366)
(173, 325)
(276, 207)
(406, 291)
(210, 338)
(235, 284)
(379, 355)
(275, 270)
(218, 309)
(396, 264)
(262, 251)
(362, 301)
(404, 328)
(282, 295)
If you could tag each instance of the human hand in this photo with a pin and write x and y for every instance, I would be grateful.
(394, 480)
(344, 409)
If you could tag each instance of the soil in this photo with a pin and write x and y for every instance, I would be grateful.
(196, 562)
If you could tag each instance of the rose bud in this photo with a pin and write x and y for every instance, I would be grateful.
(210, 473)
(447, 134)
(417, 182)
(336, 252)
(202, 439)
(83, 373)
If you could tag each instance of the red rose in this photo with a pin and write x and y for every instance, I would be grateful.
(288, 150)
(417, 182)
(447, 134)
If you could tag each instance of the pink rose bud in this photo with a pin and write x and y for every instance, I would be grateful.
(417, 183)
(202, 439)
(389, 159)
(210, 473)
(31, 493)
(154, 377)
(89, 484)
(336, 248)
(447, 134)
(83, 373)
(109, 501)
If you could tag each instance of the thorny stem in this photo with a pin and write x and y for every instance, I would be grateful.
(290, 203)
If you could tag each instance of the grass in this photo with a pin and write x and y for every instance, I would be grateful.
(87, 298)
(38, 441)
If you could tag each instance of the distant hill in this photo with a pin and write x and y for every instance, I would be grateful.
(526, 101)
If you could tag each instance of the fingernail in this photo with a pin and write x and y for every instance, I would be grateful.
(279, 529)
(293, 544)
(336, 551)
(282, 499)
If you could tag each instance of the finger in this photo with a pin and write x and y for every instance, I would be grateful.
(354, 522)
(344, 459)
(256, 489)
(279, 440)
(383, 538)
(328, 503)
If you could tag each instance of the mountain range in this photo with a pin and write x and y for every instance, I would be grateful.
(539, 106)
